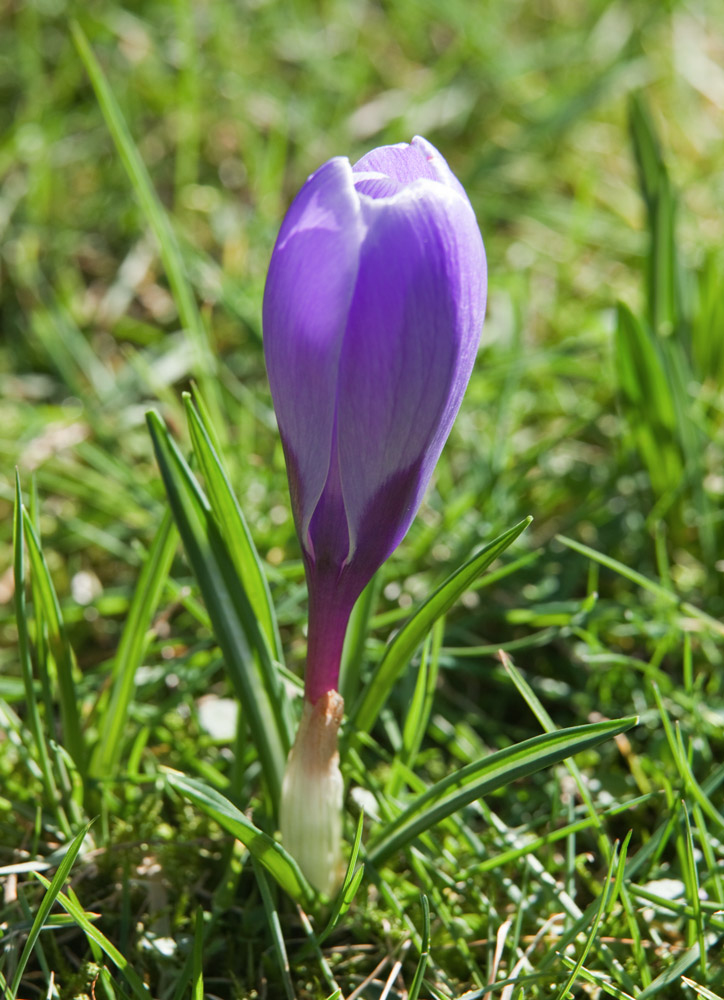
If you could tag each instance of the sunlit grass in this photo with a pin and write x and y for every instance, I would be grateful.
(119, 679)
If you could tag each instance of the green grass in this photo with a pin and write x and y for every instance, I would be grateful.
(152, 600)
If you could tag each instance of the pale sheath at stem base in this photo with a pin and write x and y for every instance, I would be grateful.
(310, 813)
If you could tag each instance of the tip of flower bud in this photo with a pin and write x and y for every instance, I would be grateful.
(310, 813)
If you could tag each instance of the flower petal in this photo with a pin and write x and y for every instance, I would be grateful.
(403, 162)
(376, 185)
(309, 287)
(438, 164)
(411, 339)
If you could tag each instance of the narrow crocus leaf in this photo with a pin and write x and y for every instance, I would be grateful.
(404, 644)
(232, 523)
(484, 776)
(246, 652)
(373, 309)
(264, 848)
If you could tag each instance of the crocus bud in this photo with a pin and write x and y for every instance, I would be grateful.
(373, 308)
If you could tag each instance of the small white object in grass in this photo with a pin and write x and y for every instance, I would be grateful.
(218, 716)
(366, 802)
(165, 946)
(666, 888)
(85, 587)
(310, 812)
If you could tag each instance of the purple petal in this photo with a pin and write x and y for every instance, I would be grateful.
(406, 163)
(309, 287)
(411, 339)
(403, 162)
(376, 185)
(437, 162)
(328, 530)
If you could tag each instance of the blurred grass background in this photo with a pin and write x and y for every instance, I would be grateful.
(589, 139)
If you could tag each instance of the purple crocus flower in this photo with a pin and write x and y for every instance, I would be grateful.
(372, 314)
(373, 308)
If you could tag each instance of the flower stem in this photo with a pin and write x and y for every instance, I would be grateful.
(329, 611)
(310, 814)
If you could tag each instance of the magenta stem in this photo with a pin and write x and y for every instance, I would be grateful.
(329, 611)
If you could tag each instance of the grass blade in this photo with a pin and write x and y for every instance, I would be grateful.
(647, 149)
(197, 960)
(59, 646)
(484, 776)
(648, 397)
(404, 644)
(671, 975)
(536, 707)
(691, 879)
(602, 907)
(700, 990)
(132, 647)
(418, 716)
(275, 927)
(424, 950)
(26, 666)
(643, 581)
(53, 889)
(156, 217)
(71, 905)
(661, 210)
(349, 887)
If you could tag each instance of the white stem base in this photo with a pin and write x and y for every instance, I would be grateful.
(310, 812)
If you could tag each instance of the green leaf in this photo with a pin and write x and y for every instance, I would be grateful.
(401, 649)
(663, 268)
(132, 647)
(662, 265)
(237, 632)
(280, 865)
(707, 322)
(668, 596)
(647, 149)
(232, 525)
(59, 646)
(673, 974)
(355, 640)
(484, 776)
(701, 991)
(26, 666)
(607, 895)
(641, 371)
(424, 950)
(156, 217)
(536, 707)
(275, 928)
(49, 898)
(71, 905)
(197, 959)
(418, 716)
(350, 885)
